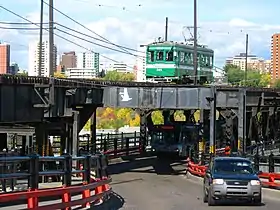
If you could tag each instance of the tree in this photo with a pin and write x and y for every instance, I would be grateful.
(236, 76)
(23, 73)
(234, 73)
(277, 83)
(117, 76)
(59, 75)
(265, 80)
(157, 118)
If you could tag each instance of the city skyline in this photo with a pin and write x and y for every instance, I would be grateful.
(222, 31)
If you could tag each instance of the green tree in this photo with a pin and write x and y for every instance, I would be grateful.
(265, 80)
(157, 117)
(23, 73)
(236, 76)
(277, 83)
(234, 73)
(117, 76)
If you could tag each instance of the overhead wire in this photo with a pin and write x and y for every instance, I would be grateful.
(14, 13)
(68, 28)
(19, 23)
(75, 21)
(19, 28)
(100, 45)
(101, 40)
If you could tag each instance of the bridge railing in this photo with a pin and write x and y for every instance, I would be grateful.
(104, 142)
(34, 174)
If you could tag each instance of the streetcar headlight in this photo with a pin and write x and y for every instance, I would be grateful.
(255, 182)
(218, 181)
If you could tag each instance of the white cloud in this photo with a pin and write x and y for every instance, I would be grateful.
(226, 38)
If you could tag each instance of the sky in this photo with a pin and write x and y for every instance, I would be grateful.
(223, 25)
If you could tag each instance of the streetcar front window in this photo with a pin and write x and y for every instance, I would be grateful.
(169, 56)
(211, 61)
(160, 55)
(151, 55)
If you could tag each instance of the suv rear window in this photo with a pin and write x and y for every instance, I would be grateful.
(233, 167)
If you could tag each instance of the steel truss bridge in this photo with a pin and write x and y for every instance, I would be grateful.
(61, 107)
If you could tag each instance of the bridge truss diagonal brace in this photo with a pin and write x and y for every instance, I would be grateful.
(46, 93)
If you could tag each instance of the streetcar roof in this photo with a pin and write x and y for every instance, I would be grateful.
(177, 44)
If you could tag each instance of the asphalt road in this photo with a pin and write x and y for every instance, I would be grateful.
(151, 184)
(159, 184)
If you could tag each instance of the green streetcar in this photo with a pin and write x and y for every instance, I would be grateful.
(169, 61)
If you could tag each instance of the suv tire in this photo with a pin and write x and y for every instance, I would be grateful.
(211, 200)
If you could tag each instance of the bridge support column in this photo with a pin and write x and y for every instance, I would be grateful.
(42, 140)
(75, 134)
(143, 130)
(213, 109)
(242, 125)
(201, 143)
(93, 132)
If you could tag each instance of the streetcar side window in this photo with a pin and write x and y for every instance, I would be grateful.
(169, 55)
(182, 57)
(203, 60)
(160, 55)
(189, 58)
(151, 55)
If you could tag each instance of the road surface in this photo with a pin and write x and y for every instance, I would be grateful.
(157, 184)
(150, 184)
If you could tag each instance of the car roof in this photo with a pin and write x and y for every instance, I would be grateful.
(231, 158)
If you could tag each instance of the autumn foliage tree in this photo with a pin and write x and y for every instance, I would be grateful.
(110, 118)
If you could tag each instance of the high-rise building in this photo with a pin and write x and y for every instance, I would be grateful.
(141, 65)
(87, 66)
(88, 60)
(33, 68)
(253, 62)
(4, 58)
(275, 56)
(69, 60)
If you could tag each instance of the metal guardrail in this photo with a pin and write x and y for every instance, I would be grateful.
(99, 183)
(35, 172)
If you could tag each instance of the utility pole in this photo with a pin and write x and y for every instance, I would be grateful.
(246, 60)
(41, 38)
(195, 42)
(166, 29)
(51, 40)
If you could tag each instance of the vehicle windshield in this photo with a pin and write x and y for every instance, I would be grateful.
(233, 167)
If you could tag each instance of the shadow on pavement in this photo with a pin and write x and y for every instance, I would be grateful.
(151, 164)
(114, 202)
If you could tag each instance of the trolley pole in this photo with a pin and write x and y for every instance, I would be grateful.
(166, 29)
(195, 43)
